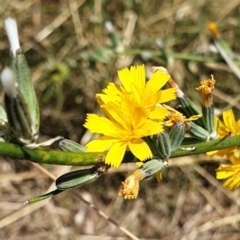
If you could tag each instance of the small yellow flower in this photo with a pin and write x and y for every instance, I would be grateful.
(123, 129)
(231, 173)
(175, 117)
(228, 126)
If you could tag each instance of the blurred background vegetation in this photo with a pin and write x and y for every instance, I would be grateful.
(73, 55)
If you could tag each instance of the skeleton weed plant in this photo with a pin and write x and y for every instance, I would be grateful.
(137, 126)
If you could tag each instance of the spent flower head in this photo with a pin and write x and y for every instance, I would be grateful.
(206, 88)
(130, 186)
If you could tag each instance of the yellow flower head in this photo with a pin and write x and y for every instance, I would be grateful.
(175, 117)
(231, 173)
(123, 129)
(131, 114)
(228, 126)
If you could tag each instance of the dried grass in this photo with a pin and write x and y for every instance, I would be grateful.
(189, 203)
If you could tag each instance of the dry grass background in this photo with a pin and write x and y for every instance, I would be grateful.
(71, 58)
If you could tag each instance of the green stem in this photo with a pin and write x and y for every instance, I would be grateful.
(50, 156)
(203, 147)
(86, 158)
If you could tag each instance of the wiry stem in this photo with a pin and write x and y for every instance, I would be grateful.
(88, 158)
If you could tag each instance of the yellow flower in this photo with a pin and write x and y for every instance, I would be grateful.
(123, 128)
(228, 126)
(231, 173)
(175, 117)
(147, 94)
(133, 111)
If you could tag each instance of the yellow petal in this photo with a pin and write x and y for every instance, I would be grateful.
(224, 171)
(194, 117)
(101, 144)
(238, 126)
(139, 117)
(111, 93)
(138, 77)
(156, 82)
(140, 149)
(114, 113)
(112, 90)
(104, 99)
(167, 95)
(221, 128)
(212, 153)
(229, 119)
(139, 164)
(151, 101)
(93, 121)
(232, 182)
(148, 128)
(231, 173)
(115, 155)
(221, 153)
(159, 113)
(234, 157)
(101, 125)
(126, 79)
